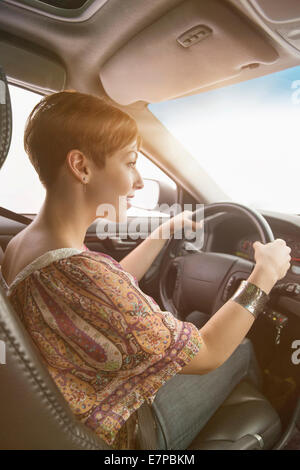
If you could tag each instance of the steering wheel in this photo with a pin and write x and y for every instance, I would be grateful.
(205, 281)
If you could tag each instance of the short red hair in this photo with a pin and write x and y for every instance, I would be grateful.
(70, 120)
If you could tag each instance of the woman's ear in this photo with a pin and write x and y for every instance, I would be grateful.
(78, 164)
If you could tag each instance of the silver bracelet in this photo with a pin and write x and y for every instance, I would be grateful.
(251, 297)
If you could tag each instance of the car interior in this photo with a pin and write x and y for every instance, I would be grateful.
(136, 54)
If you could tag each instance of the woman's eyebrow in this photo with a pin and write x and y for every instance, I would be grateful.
(130, 152)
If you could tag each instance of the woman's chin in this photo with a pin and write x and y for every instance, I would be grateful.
(114, 214)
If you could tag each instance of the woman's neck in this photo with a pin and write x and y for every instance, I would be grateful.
(66, 220)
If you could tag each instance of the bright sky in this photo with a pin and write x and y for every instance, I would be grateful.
(246, 137)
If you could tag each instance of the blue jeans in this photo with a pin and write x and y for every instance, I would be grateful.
(185, 403)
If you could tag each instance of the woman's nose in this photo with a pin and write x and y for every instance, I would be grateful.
(139, 184)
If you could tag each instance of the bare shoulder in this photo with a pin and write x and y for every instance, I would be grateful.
(24, 248)
(8, 254)
(7, 261)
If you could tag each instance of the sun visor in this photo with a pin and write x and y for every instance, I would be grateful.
(24, 66)
(195, 45)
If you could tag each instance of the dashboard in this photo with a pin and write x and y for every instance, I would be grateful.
(235, 235)
(244, 248)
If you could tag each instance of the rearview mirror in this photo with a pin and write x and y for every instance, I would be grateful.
(147, 198)
(154, 194)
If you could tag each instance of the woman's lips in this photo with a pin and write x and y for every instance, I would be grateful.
(128, 199)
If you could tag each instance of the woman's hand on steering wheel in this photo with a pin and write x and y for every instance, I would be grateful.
(273, 257)
(183, 220)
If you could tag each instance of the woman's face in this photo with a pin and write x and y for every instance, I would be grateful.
(109, 187)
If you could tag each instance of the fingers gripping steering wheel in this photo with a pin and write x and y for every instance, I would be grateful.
(205, 281)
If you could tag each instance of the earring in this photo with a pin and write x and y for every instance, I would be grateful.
(84, 186)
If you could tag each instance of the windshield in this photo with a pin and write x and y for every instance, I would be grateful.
(246, 136)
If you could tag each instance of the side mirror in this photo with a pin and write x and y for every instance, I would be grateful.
(153, 195)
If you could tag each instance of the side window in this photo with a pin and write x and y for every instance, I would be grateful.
(148, 169)
(21, 190)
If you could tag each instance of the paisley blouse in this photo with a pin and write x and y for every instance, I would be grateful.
(107, 345)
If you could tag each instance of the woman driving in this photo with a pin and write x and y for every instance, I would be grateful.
(107, 345)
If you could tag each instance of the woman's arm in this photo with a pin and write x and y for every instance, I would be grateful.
(229, 325)
(227, 328)
(140, 259)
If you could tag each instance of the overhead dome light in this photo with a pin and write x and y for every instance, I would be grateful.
(65, 10)
(63, 4)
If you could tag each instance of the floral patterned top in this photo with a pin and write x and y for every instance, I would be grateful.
(107, 345)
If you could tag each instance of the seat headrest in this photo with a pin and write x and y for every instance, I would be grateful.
(5, 118)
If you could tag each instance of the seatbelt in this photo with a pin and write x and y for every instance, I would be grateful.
(14, 216)
(147, 427)
(5, 118)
